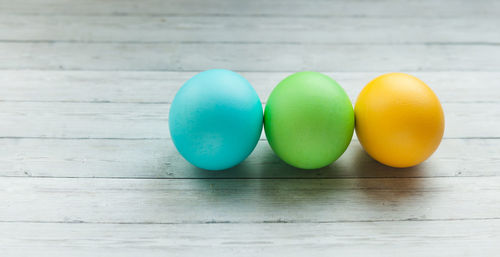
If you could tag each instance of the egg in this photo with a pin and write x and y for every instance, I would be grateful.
(399, 120)
(216, 119)
(308, 120)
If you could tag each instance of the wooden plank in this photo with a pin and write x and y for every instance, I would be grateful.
(84, 120)
(402, 238)
(247, 200)
(267, 29)
(87, 168)
(159, 159)
(133, 120)
(160, 87)
(249, 57)
(358, 8)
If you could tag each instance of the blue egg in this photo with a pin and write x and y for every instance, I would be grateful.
(216, 119)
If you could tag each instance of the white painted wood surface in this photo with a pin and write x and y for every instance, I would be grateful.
(386, 238)
(248, 200)
(87, 167)
(160, 87)
(237, 29)
(194, 56)
(153, 158)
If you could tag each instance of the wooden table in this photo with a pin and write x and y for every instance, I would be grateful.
(87, 167)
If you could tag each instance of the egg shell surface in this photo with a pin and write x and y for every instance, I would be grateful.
(399, 120)
(216, 119)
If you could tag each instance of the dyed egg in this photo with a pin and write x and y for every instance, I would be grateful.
(399, 120)
(216, 119)
(309, 120)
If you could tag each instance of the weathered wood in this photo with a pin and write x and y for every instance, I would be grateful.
(87, 167)
(358, 8)
(133, 120)
(160, 87)
(247, 200)
(402, 238)
(159, 159)
(249, 57)
(267, 29)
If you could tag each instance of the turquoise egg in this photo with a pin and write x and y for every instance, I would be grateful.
(216, 119)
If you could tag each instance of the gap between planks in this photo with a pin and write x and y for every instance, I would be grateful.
(245, 223)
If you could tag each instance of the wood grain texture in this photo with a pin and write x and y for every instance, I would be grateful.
(97, 158)
(324, 8)
(249, 57)
(150, 121)
(247, 200)
(87, 167)
(160, 87)
(237, 29)
(396, 238)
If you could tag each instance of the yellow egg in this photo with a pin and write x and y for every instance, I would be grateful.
(399, 120)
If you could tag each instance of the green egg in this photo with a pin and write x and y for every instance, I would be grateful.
(309, 120)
